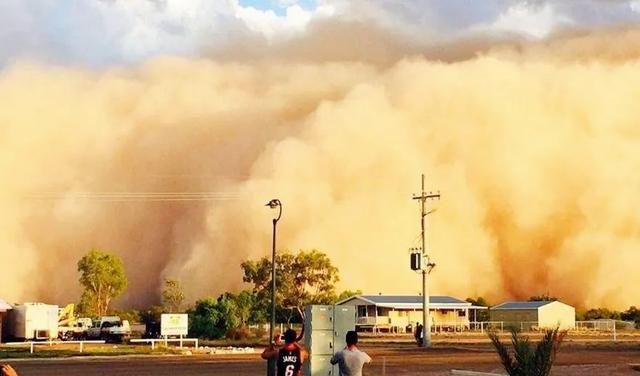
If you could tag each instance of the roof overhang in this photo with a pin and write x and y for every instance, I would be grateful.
(419, 306)
(515, 309)
(522, 306)
(359, 297)
(411, 305)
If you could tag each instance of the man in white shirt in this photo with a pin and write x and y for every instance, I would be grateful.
(350, 360)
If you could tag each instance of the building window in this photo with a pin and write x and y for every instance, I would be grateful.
(462, 313)
(383, 311)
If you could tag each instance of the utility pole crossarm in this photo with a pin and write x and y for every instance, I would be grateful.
(430, 196)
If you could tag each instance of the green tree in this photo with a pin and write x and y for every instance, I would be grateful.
(244, 306)
(103, 277)
(172, 296)
(131, 315)
(483, 314)
(543, 298)
(87, 305)
(346, 294)
(213, 318)
(528, 359)
(306, 278)
(599, 314)
(632, 314)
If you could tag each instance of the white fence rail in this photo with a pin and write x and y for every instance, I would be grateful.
(166, 341)
(32, 344)
(484, 326)
(600, 325)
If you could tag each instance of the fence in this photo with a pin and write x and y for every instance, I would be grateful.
(528, 326)
(484, 326)
(33, 344)
(450, 326)
(166, 341)
(599, 325)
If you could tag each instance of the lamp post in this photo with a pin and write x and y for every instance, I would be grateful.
(273, 204)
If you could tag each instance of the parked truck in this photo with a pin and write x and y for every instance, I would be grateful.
(33, 321)
(110, 329)
(71, 327)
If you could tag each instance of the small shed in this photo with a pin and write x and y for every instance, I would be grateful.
(4, 308)
(534, 315)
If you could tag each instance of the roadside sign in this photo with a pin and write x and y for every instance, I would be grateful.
(174, 324)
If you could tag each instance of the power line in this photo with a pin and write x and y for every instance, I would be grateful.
(128, 196)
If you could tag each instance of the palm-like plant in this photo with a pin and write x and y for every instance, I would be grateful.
(528, 359)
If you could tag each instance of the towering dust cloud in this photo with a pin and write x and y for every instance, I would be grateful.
(535, 150)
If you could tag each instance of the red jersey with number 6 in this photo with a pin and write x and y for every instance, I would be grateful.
(289, 361)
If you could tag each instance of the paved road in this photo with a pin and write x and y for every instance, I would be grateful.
(401, 360)
(144, 366)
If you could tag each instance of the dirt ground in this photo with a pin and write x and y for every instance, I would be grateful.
(388, 359)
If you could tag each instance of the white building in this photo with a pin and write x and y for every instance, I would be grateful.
(534, 315)
(397, 312)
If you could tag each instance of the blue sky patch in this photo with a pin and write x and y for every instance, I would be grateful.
(276, 5)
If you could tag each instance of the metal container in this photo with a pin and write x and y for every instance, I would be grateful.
(319, 317)
(325, 333)
(319, 365)
(344, 320)
(33, 321)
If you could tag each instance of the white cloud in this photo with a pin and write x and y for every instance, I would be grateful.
(531, 20)
(174, 26)
(287, 3)
(271, 25)
(103, 32)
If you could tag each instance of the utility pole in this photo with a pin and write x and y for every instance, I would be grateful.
(426, 319)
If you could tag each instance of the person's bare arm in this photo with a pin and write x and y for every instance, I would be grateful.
(304, 354)
(269, 353)
(7, 370)
(301, 336)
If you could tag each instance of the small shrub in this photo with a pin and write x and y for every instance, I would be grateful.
(238, 334)
(260, 332)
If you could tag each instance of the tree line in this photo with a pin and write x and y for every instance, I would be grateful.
(307, 277)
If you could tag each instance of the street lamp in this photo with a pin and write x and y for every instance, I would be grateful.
(273, 204)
